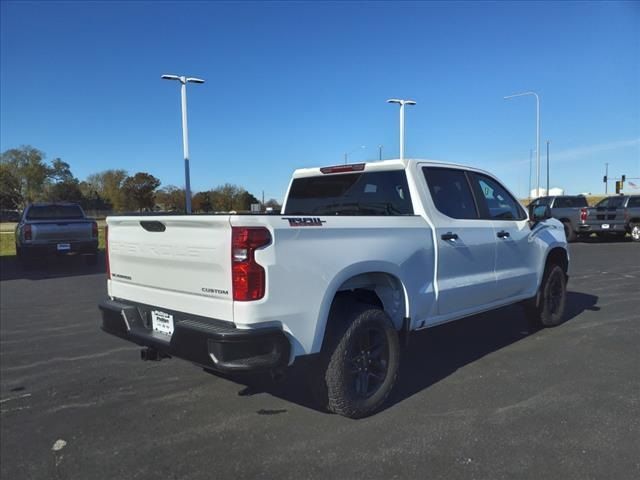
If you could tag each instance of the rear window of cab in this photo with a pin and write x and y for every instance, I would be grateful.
(384, 193)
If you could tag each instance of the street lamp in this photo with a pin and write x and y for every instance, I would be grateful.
(402, 103)
(185, 132)
(346, 154)
(537, 134)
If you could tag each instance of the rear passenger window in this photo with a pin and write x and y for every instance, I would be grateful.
(570, 202)
(634, 201)
(450, 192)
(499, 203)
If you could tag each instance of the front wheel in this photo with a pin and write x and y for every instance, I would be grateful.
(635, 233)
(553, 297)
(363, 364)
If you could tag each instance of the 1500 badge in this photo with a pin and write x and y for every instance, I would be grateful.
(304, 221)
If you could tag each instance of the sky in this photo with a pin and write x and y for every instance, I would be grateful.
(299, 84)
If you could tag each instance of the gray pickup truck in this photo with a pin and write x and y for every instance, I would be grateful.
(55, 229)
(615, 216)
(571, 210)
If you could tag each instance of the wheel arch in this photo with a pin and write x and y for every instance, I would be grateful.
(380, 287)
(559, 256)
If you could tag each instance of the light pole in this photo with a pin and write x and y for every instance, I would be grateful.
(185, 132)
(402, 103)
(537, 134)
(548, 168)
(346, 154)
(530, 157)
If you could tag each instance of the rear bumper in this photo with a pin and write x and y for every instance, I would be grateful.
(212, 344)
(43, 249)
(597, 228)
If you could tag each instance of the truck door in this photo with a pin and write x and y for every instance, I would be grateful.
(515, 267)
(465, 242)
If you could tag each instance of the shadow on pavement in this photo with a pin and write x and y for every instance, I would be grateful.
(49, 267)
(433, 354)
(605, 239)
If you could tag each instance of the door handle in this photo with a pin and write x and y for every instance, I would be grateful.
(503, 234)
(449, 236)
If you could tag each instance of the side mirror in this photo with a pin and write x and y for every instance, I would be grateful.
(540, 213)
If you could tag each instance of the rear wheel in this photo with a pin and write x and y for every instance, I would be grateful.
(362, 363)
(635, 233)
(24, 259)
(568, 231)
(552, 298)
(91, 259)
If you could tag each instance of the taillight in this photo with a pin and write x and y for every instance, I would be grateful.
(94, 230)
(106, 250)
(27, 232)
(354, 167)
(583, 215)
(248, 277)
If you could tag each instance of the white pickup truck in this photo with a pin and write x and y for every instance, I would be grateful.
(362, 255)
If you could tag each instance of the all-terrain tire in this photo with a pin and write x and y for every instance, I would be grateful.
(363, 362)
(91, 259)
(569, 232)
(24, 259)
(553, 298)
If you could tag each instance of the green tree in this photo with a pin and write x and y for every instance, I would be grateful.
(243, 201)
(91, 199)
(27, 165)
(65, 191)
(60, 171)
(171, 198)
(10, 191)
(202, 202)
(139, 191)
(108, 185)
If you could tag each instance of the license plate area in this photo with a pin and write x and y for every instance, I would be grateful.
(63, 247)
(605, 226)
(162, 322)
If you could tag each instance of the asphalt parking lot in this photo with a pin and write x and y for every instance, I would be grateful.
(480, 398)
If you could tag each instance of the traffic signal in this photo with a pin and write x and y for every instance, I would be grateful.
(604, 179)
(618, 186)
(624, 177)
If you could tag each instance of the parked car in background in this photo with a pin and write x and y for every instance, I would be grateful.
(571, 210)
(615, 216)
(55, 229)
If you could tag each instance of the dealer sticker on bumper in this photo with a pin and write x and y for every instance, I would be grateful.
(162, 322)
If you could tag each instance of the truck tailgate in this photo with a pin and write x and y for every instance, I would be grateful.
(181, 263)
(59, 230)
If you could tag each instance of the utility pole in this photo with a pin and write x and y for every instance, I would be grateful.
(537, 134)
(380, 152)
(606, 177)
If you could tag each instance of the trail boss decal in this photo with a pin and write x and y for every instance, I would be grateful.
(304, 221)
